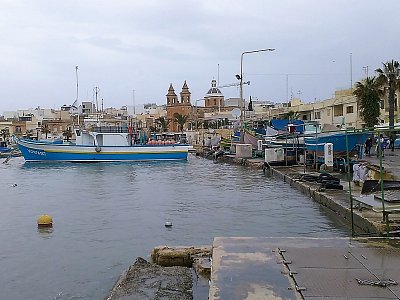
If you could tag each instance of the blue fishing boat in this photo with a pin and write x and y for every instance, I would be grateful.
(102, 145)
(4, 148)
(315, 143)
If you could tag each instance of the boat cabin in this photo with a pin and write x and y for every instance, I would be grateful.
(103, 136)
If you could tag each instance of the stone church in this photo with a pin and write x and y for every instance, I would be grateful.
(214, 98)
(175, 105)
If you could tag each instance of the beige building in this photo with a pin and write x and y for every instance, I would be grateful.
(340, 110)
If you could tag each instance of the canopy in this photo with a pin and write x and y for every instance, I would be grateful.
(283, 124)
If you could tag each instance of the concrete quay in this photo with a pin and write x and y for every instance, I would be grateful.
(304, 268)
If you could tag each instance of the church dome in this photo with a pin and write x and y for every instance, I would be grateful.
(214, 91)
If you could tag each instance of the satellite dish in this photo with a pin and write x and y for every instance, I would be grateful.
(236, 113)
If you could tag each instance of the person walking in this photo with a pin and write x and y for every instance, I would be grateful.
(381, 146)
(392, 139)
(368, 146)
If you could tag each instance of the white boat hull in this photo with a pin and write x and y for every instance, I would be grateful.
(37, 151)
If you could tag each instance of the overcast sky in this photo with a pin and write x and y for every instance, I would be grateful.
(126, 45)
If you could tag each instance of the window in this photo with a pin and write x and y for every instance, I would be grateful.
(349, 109)
(338, 110)
(317, 115)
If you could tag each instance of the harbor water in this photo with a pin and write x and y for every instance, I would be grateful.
(107, 214)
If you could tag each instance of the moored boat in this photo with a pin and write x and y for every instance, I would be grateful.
(4, 148)
(102, 144)
(315, 143)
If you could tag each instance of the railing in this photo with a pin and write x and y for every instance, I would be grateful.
(110, 129)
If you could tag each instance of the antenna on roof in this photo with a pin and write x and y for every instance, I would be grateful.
(218, 76)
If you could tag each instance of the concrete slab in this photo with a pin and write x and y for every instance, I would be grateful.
(246, 268)
(304, 268)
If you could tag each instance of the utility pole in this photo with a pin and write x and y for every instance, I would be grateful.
(287, 90)
(351, 70)
(96, 92)
(133, 100)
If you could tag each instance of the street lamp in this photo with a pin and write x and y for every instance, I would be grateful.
(240, 77)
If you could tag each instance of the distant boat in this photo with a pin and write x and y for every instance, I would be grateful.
(338, 139)
(102, 144)
(4, 147)
(289, 134)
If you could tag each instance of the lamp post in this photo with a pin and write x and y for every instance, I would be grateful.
(197, 117)
(240, 77)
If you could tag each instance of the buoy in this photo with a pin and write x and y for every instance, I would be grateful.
(168, 224)
(45, 221)
(14, 185)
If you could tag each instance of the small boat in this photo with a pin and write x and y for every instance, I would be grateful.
(289, 134)
(102, 144)
(4, 148)
(316, 143)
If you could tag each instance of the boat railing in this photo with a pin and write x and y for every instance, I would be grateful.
(110, 129)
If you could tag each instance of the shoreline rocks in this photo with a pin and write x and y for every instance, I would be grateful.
(144, 280)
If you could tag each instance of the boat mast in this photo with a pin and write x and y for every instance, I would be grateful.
(96, 91)
(77, 90)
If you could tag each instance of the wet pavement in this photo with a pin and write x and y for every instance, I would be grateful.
(304, 268)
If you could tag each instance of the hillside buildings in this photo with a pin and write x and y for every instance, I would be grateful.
(340, 110)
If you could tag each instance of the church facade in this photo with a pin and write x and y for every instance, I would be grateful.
(181, 106)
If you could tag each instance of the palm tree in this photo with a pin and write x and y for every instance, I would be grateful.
(153, 129)
(389, 78)
(181, 120)
(368, 94)
(291, 115)
(163, 122)
(45, 129)
(67, 133)
(250, 107)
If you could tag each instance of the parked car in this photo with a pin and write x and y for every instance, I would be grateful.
(397, 143)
